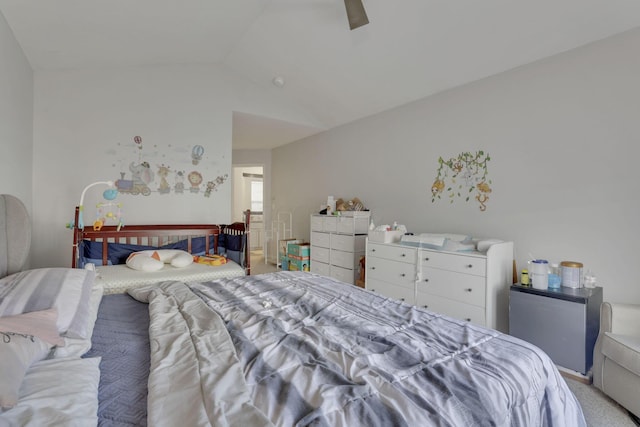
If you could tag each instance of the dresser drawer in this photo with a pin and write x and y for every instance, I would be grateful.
(454, 286)
(320, 254)
(356, 224)
(321, 268)
(316, 223)
(394, 272)
(343, 259)
(326, 223)
(456, 309)
(348, 243)
(320, 239)
(389, 290)
(461, 263)
(346, 275)
(396, 253)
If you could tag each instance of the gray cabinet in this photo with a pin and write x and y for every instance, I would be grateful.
(563, 322)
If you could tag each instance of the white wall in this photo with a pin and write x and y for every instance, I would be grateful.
(16, 118)
(84, 124)
(563, 137)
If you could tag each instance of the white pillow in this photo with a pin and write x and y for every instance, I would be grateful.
(176, 257)
(144, 262)
(57, 392)
(76, 347)
(66, 289)
(154, 260)
(17, 353)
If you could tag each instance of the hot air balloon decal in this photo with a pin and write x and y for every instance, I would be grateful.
(138, 140)
(196, 154)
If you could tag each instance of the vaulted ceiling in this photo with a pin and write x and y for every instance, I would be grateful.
(410, 49)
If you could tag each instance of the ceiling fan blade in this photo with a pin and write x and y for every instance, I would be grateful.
(356, 14)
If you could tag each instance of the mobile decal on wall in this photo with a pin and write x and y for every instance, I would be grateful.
(171, 169)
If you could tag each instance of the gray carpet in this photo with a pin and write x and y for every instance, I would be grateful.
(599, 410)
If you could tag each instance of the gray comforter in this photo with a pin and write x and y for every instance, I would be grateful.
(297, 349)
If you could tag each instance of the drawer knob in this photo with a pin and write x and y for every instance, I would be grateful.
(426, 259)
(401, 299)
(402, 275)
(426, 280)
(373, 250)
(373, 268)
(425, 306)
(403, 255)
(468, 319)
(468, 290)
(469, 265)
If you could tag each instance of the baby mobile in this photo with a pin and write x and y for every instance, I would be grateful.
(109, 211)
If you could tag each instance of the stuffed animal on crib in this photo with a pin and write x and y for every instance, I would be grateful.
(210, 259)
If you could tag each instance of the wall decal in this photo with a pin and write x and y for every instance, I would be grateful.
(144, 169)
(462, 176)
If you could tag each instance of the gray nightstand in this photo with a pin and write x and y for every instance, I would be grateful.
(563, 322)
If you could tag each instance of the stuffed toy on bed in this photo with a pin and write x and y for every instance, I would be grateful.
(154, 260)
(210, 259)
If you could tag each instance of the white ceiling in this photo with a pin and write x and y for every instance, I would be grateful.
(410, 49)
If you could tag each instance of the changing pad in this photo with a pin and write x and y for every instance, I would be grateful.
(444, 242)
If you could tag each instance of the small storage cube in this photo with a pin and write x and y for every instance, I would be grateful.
(299, 263)
(300, 249)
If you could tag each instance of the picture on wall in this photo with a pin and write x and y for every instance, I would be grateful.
(464, 176)
(170, 169)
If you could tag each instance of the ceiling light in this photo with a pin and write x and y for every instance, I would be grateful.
(278, 81)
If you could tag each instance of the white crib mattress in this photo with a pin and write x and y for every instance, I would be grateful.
(117, 279)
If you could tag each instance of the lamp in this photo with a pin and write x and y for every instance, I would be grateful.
(108, 194)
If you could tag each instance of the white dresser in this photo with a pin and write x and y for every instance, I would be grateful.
(391, 270)
(338, 243)
(471, 286)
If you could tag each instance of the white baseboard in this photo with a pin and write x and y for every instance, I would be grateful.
(574, 375)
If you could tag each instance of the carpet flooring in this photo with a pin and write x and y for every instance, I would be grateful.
(599, 410)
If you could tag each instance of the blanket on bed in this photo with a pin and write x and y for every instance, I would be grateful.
(295, 349)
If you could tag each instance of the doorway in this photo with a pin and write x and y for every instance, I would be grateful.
(248, 193)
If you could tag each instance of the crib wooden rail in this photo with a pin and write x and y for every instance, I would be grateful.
(160, 235)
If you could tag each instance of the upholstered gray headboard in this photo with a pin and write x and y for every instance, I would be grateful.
(15, 235)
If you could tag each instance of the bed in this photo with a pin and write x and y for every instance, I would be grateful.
(107, 250)
(282, 349)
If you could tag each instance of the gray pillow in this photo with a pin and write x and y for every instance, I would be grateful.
(66, 289)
